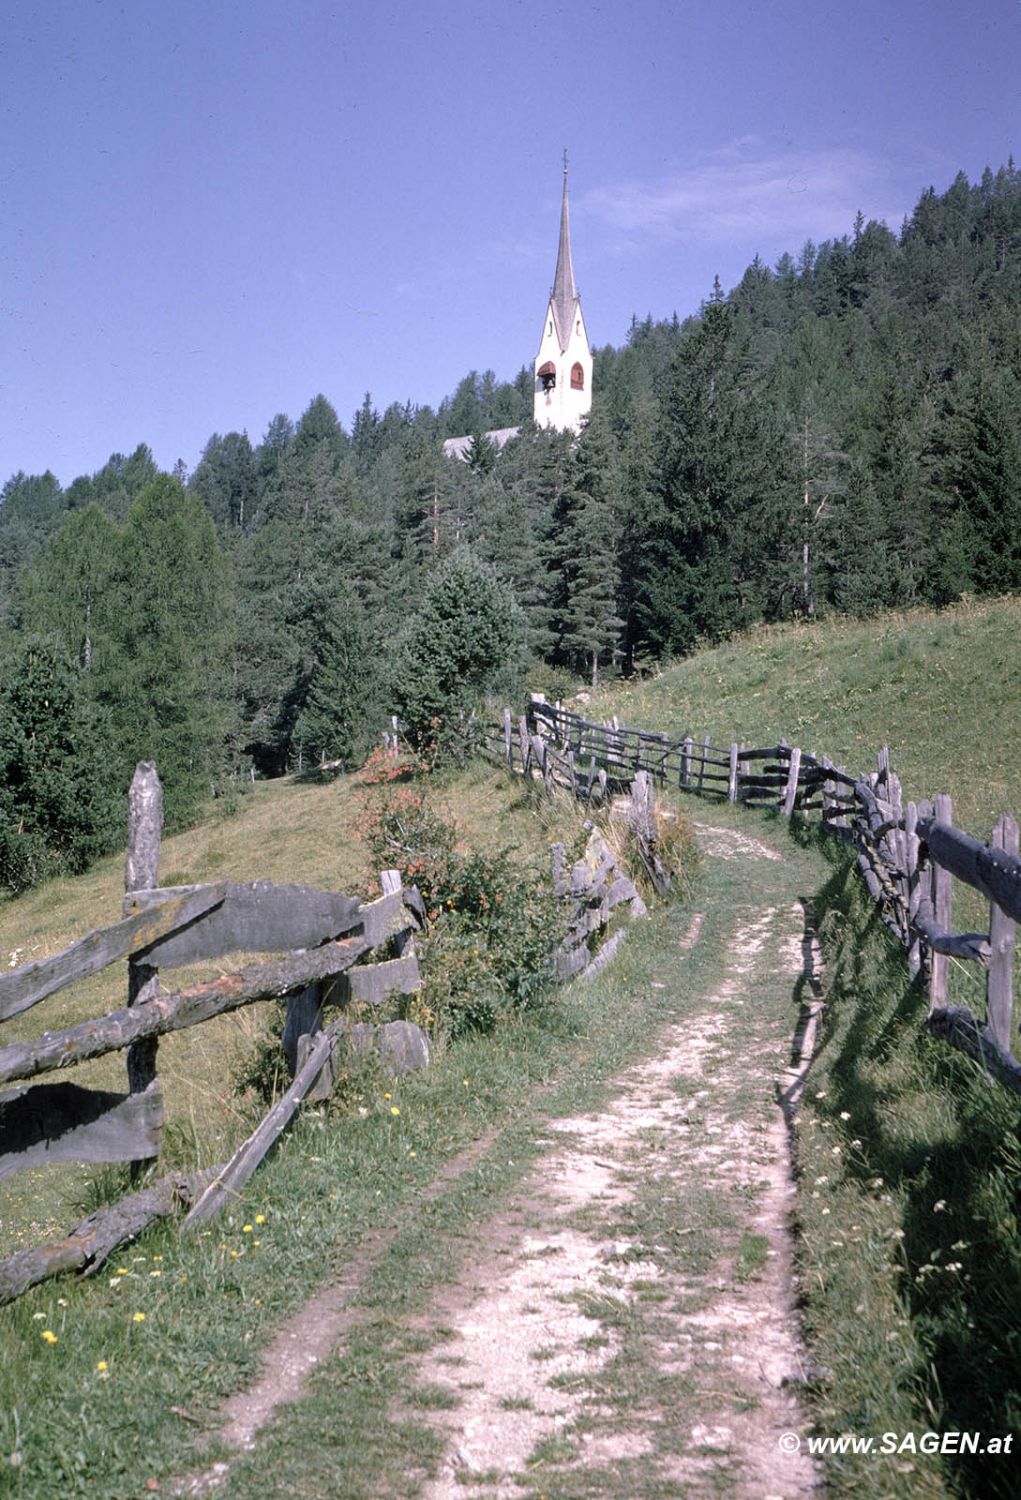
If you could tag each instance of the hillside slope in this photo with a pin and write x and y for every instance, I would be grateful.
(942, 689)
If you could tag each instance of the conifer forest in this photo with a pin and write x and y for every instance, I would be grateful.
(839, 432)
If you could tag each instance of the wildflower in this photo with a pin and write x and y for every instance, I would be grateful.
(38, 1317)
(821, 1094)
(845, 1114)
(394, 1110)
(825, 1212)
(138, 1317)
(157, 1257)
(101, 1366)
(155, 1273)
(820, 1180)
(49, 1336)
(260, 1218)
(388, 1096)
(246, 1229)
(61, 1301)
(465, 1082)
(940, 1207)
(122, 1270)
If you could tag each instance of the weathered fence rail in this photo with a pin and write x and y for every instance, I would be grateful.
(908, 854)
(328, 941)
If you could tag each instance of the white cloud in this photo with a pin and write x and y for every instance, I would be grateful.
(750, 192)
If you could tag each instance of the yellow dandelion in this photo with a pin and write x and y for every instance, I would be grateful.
(246, 1229)
(260, 1218)
(48, 1336)
(394, 1110)
(101, 1366)
(138, 1318)
(122, 1270)
(157, 1257)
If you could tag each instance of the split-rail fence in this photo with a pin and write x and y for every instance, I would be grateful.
(336, 948)
(908, 853)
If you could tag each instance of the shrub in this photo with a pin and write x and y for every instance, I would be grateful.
(492, 922)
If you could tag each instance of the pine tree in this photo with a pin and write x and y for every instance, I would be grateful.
(60, 802)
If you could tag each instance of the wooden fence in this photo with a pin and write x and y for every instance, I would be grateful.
(908, 854)
(327, 939)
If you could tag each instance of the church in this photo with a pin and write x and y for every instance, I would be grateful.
(563, 365)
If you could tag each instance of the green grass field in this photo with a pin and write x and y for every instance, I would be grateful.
(941, 689)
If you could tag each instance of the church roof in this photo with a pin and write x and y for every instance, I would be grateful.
(564, 296)
(459, 447)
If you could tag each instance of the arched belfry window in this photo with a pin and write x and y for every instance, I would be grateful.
(547, 373)
(577, 378)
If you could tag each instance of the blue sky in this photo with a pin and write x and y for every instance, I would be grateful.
(211, 212)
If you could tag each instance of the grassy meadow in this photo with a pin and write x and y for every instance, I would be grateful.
(942, 689)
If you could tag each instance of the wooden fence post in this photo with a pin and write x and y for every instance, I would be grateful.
(942, 905)
(732, 782)
(525, 744)
(686, 761)
(913, 887)
(508, 739)
(792, 783)
(1000, 979)
(701, 769)
(141, 873)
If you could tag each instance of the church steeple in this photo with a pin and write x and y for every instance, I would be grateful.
(565, 293)
(563, 366)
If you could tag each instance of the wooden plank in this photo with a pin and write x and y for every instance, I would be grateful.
(914, 891)
(732, 782)
(165, 1013)
(259, 917)
(993, 872)
(971, 946)
(1000, 980)
(566, 964)
(508, 739)
(141, 872)
(228, 1182)
(304, 1019)
(22, 988)
(372, 983)
(941, 896)
(792, 783)
(64, 1122)
(87, 1244)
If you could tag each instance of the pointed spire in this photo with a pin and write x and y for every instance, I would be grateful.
(565, 294)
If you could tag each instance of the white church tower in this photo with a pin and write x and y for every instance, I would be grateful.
(563, 365)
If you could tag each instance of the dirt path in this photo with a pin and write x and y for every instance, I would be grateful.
(627, 1323)
(624, 1326)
